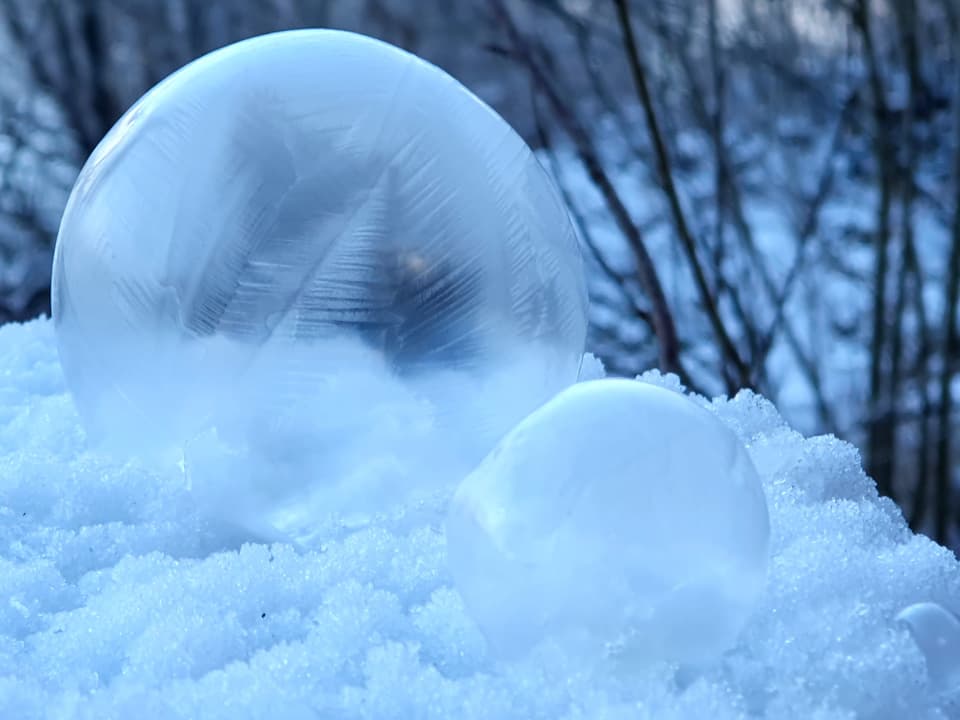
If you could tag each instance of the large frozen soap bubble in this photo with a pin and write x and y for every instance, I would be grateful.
(301, 204)
(620, 519)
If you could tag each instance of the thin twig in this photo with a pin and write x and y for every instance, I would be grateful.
(662, 318)
(687, 241)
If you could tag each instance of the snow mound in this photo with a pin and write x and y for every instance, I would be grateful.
(118, 600)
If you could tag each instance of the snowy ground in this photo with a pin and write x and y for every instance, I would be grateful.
(118, 600)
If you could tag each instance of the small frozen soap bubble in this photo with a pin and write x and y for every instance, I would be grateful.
(936, 631)
(619, 518)
(300, 204)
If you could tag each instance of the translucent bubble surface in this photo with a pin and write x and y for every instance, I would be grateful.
(621, 517)
(936, 631)
(299, 205)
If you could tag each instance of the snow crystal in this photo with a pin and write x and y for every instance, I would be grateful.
(591, 368)
(118, 599)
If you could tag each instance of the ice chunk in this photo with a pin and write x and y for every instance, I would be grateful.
(288, 197)
(618, 516)
(936, 631)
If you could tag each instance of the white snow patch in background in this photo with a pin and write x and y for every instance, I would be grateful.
(117, 600)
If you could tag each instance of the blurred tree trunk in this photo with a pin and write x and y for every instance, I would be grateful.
(910, 271)
(951, 347)
(880, 451)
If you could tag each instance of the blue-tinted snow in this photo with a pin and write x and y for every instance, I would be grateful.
(117, 600)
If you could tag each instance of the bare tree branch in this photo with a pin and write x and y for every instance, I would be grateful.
(646, 271)
(727, 347)
(878, 441)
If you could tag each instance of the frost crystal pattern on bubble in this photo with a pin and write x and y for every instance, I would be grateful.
(619, 517)
(300, 204)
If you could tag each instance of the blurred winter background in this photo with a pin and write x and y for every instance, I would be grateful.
(767, 190)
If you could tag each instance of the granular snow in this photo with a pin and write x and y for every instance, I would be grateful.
(119, 600)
